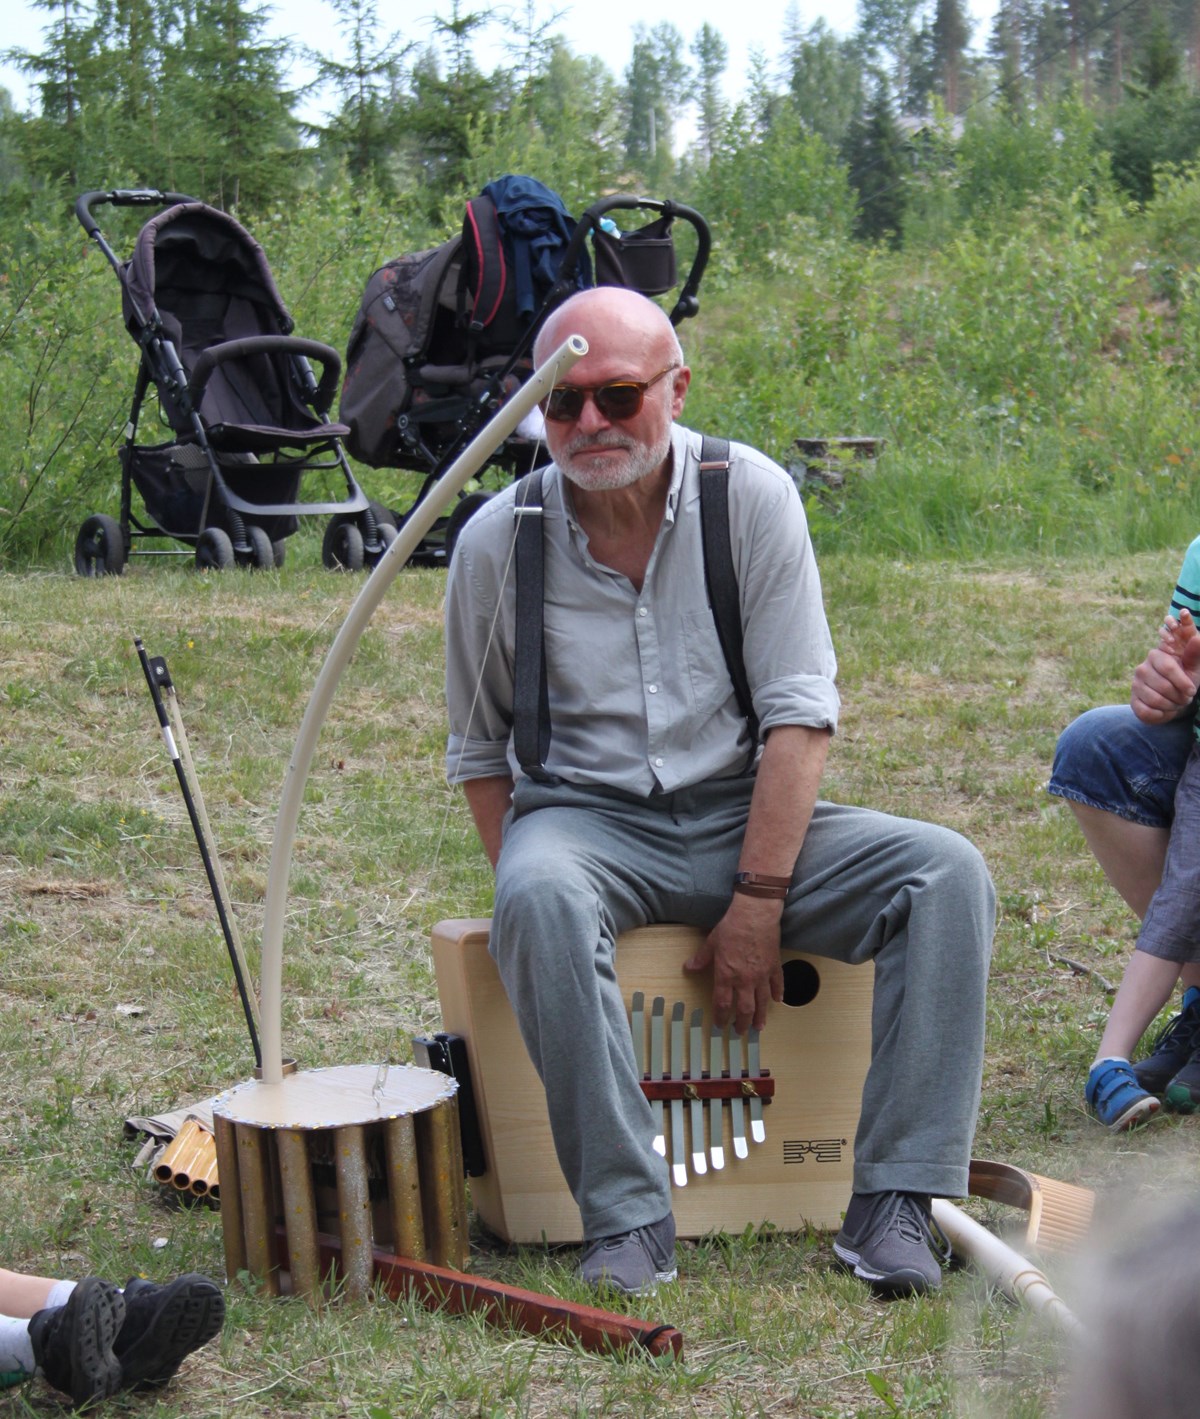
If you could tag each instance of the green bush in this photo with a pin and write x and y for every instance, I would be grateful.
(1034, 379)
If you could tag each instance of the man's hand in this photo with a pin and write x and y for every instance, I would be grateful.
(743, 950)
(1164, 684)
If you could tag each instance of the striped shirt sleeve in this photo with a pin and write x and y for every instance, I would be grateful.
(1187, 590)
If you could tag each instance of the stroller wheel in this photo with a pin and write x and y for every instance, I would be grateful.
(278, 553)
(342, 548)
(100, 547)
(460, 515)
(384, 516)
(261, 556)
(214, 550)
(385, 535)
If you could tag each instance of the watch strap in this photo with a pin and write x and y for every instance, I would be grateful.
(758, 884)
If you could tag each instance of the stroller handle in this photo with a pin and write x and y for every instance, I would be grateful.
(320, 394)
(123, 197)
(688, 304)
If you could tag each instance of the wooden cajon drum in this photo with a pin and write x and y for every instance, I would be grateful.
(814, 1054)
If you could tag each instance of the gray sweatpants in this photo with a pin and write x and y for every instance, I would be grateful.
(581, 865)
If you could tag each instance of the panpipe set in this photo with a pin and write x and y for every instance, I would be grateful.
(189, 1162)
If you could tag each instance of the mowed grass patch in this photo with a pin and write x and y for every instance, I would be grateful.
(118, 997)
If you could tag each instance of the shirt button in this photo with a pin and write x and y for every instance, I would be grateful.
(653, 689)
(641, 611)
(658, 763)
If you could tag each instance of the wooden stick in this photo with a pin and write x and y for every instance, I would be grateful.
(535, 1314)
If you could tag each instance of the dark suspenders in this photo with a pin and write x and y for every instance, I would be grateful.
(531, 699)
(531, 703)
(719, 574)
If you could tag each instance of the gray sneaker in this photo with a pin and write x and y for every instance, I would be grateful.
(633, 1262)
(890, 1240)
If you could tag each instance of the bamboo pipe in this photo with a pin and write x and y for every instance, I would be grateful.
(1017, 1277)
(404, 1187)
(232, 1222)
(300, 1208)
(354, 1209)
(186, 1156)
(416, 525)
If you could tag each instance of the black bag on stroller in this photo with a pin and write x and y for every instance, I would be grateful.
(247, 416)
(443, 337)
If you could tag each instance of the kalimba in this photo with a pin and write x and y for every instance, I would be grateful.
(766, 1137)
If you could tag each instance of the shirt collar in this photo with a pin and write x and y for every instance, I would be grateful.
(679, 458)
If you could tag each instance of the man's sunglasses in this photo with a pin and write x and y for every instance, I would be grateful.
(619, 399)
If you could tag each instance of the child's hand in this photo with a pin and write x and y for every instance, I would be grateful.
(1181, 639)
(1165, 683)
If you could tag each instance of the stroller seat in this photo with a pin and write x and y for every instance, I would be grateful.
(215, 296)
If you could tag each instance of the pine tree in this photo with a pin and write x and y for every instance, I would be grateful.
(1006, 47)
(448, 108)
(951, 33)
(875, 154)
(886, 32)
(365, 129)
(654, 82)
(55, 142)
(711, 54)
(824, 76)
(238, 142)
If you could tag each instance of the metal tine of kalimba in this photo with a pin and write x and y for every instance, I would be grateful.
(758, 1130)
(716, 1122)
(678, 1144)
(657, 1071)
(737, 1113)
(637, 1029)
(696, 1069)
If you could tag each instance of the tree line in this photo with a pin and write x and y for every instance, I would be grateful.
(192, 96)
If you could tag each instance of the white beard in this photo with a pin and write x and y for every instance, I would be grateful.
(628, 463)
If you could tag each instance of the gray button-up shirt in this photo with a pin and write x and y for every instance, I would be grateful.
(640, 696)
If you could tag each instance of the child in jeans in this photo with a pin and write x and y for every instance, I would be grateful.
(1119, 767)
(1117, 1091)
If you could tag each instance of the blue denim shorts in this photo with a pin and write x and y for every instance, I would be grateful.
(1109, 759)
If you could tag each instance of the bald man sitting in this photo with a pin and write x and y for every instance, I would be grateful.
(652, 797)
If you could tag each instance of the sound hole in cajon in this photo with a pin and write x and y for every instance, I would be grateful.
(801, 982)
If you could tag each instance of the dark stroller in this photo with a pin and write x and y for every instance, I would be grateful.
(440, 340)
(247, 416)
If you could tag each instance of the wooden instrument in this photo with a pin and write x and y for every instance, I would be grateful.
(1059, 1214)
(374, 1159)
(766, 1140)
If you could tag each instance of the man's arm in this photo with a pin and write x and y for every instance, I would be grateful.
(489, 800)
(743, 947)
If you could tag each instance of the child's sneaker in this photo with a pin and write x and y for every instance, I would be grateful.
(73, 1344)
(1173, 1048)
(1115, 1097)
(1183, 1092)
(163, 1325)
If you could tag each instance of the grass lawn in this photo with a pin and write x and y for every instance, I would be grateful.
(116, 995)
